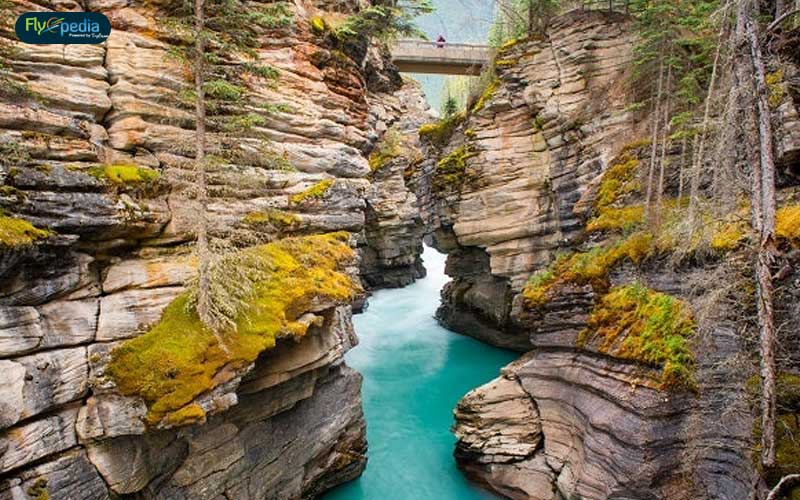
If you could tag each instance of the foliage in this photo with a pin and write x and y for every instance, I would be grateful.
(449, 106)
(124, 173)
(518, 19)
(13, 154)
(385, 21)
(315, 192)
(776, 87)
(635, 322)
(262, 291)
(15, 233)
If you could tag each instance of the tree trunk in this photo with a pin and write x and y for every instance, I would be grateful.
(531, 17)
(765, 256)
(664, 138)
(201, 184)
(698, 145)
(680, 169)
(648, 206)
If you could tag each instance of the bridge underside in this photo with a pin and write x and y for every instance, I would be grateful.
(438, 67)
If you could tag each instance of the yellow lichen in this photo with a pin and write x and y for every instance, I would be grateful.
(508, 44)
(18, 232)
(318, 24)
(590, 267)
(38, 490)
(440, 132)
(274, 217)
(787, 223)
(635, 322)
(315, 192)
(505, 62)
(387, 150)
(178, 358)
(775, 85)
(619, 180)
(487, 94)
(451, 170)
(125, 174)
(610, 219)
(188, 415)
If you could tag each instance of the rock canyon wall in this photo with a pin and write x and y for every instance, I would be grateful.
(510, 190)
(98, 220)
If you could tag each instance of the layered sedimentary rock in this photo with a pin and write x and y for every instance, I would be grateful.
(510, 188)
(97, 142)
(530, 150)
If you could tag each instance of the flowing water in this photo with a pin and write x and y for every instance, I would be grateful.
(415, 372)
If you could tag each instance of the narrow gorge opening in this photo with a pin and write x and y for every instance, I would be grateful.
(415, 371)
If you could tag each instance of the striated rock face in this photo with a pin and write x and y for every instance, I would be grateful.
(96, 148)
(393, 227)
(570, 420)
(553, 124)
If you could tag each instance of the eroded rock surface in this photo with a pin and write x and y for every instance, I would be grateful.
(119, 251)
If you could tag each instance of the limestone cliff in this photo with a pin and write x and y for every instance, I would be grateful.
(97, 231)
(511, 192)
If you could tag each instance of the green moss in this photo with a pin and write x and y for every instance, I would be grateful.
(439, 132)
(617, 219)
(635, 322)
(273, 217)
(787, 428)
(124, 174)
(787, 224)
(619, 180)
(504, 63)
(315, 192)
(190, 414)
(777, 91)
(318, 25)
(178, 358)
(590, 267)
(487, 94)
(509, 44)
(451, 170)
(13, 154)
(38, 490)
(15, 233)
(387, 150)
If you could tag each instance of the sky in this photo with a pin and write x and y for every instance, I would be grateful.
(462, 21)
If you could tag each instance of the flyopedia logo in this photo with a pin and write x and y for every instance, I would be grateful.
(62, 27)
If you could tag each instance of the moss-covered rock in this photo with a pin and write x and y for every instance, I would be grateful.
(278, 219)
(125, 174)
(635, 322)
(15, 233)
(590, 267)
(439, 132)
(315, 192)
(178, 358)
(451, 170)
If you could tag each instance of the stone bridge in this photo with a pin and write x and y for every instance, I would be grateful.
(421, 56)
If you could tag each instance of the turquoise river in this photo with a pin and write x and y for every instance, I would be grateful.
(414, 372)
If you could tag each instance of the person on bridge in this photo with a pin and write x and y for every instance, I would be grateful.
(440, 41)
